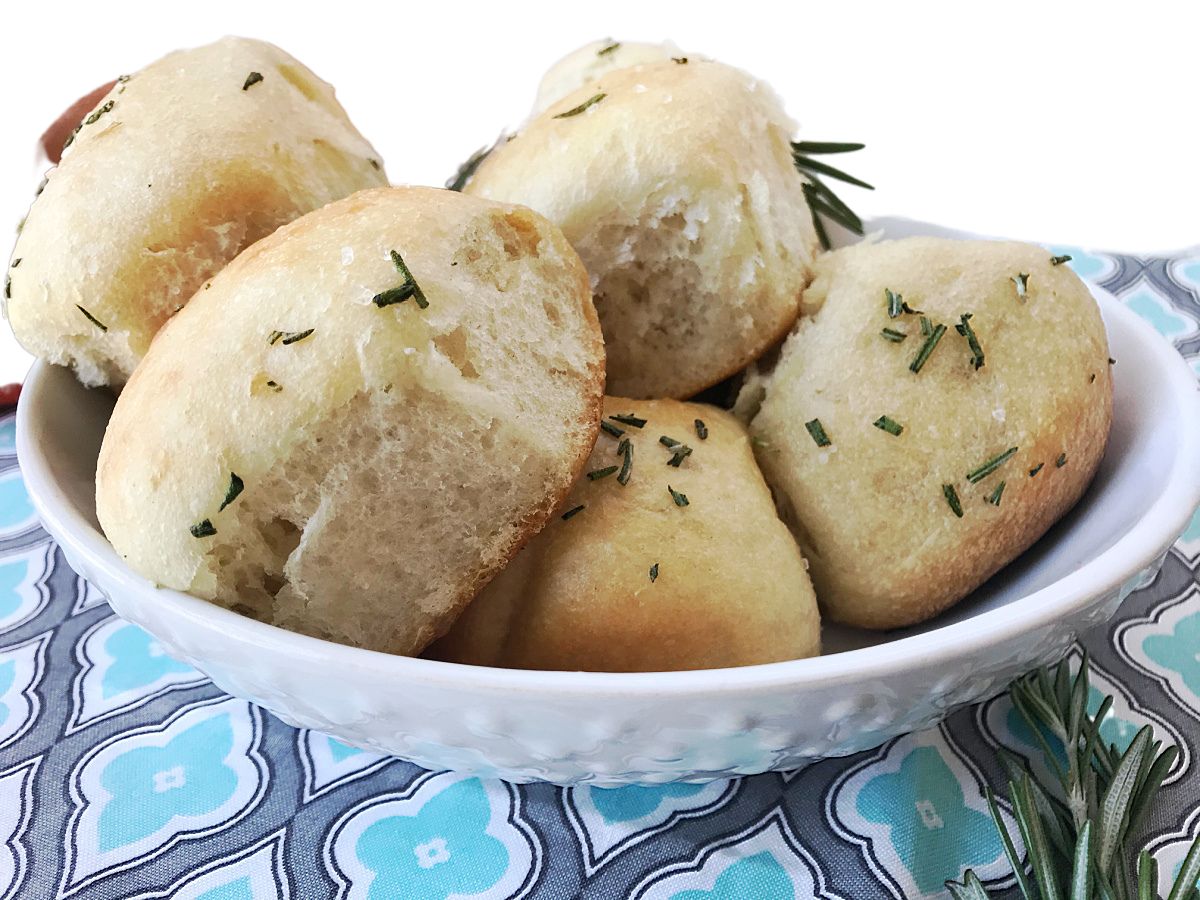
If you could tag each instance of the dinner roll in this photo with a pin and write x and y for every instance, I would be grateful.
(177, 169)
(675, 182)
(370, 411)
(912, 466)
(594, 60)
(682, 567)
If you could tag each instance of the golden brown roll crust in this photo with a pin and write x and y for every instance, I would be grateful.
(731, 586)
(390, 458)
(884, 545)
(678, 189)
(177, 169)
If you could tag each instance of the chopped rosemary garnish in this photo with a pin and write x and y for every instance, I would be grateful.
(597, 474)
(626, 462)
(92, 318)
(895, 303)
(1036, 469)
(977, 475)
(1092, 378)
(1021, 280)
(95, 117)
(678, 455)
(926, 326)
(995, 496)
(951, 496)
(203, 529)
(629, 419)
(252, 79)
(1061, 461)
(890, 425)
(574, 511)
(374, 163)
(964, 328)
(604, 51)
(1111, 361)
(822, 201)
(668, 441)
(275, 386)
(465, 172)
(576, 110)
(1059, 260)
(16, 262)
(289, 337)
(680, 60)
(893, 335)
(7, 287)
(701, 430)
(610, 428)
(410, 288)
(927, 348)
(654, 573)
(679, 497)
(817, 431)
(235, 487)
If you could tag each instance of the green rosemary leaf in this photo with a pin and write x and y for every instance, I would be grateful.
(1114, 806)
(1059, 260)
(573, 511)
(893, 335)
(89, 316)
(392, 295)
(810, 196)
(627, 462)
(829, 204)
(410, 286)
(1139, 809)
(926, 326)
(1061, 461)
(252, 79)
(610, 428)
(678, 455)
(964, 328)
(971, 887)
(597, 474)
(807, 164)
(983, 471)
(1036, 469)
(679, 498)
(203, 529)
(95, 117)
(680, 60)
(701, 430)
(994, 497)
(654, 573)
(1081, 872)
(8, 288)
(1189, 872)
(16, 262)
(951, 496)
(629, 419)
(668, 442)
(289, 337)
(926, 349)
(891, 426)
(604, 51)
(1021, 280)
(815, 148)
(235, 487)
(1010, 850)
(275, 386)
(466, 171)
(374, 163)
(576, 110)
(1041, 858)
(895, 303)
(817, 431)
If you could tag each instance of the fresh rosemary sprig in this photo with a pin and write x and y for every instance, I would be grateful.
(822, 201)
(1080, 832)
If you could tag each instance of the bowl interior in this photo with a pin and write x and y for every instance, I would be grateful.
(69, 421)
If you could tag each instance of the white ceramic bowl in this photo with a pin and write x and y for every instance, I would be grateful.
(607, 729)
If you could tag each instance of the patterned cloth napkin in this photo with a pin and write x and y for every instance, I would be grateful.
(126, 774)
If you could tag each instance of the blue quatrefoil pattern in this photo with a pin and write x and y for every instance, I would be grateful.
(126, 773)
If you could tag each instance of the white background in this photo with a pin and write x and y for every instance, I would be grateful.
(1067, 122)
